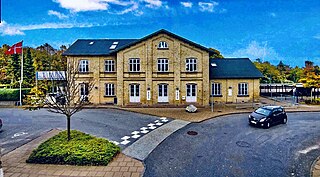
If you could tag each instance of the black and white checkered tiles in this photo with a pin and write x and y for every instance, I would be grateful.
(143, 130)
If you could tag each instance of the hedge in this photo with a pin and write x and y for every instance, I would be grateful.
(82, 149)
(12, 94)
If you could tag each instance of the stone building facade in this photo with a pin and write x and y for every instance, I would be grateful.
(159, 69)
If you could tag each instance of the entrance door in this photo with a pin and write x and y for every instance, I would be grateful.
(84, 91)
(191, 93)
(163, 93)
(134, 93)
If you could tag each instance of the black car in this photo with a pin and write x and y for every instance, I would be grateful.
(267, 116)
(0, 124)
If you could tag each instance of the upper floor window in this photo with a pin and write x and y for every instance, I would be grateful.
(191, 64)
(243, 89)
(84, 66)
(109, 65)
(163, 65)
(216, 89)
(109, 90)
(134, 64)
(162, 45)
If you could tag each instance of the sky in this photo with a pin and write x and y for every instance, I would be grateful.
(272, 30)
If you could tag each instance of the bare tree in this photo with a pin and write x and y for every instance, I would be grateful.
(73, 93)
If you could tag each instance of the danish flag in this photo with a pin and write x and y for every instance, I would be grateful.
(15, 49)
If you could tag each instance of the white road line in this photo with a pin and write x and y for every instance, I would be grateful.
(308, 149)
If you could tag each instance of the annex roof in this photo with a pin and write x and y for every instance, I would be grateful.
(233, 68)
(96, 47)
(102, 46)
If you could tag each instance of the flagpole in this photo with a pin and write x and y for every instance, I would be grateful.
(21, 79)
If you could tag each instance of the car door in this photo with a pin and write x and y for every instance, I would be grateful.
(274, 116)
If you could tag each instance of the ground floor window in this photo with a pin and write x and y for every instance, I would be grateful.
(243, 89)
(109, 90)
(216, 89)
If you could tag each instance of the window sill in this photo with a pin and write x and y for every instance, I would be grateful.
(84, 72)
(215, 95)
(108, 95)
(163, 48)
(108, 72)
(164, 72)
(242, 95)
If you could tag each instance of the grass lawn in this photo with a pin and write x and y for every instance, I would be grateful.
(82, 149)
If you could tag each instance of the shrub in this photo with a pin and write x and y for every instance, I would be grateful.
(12, 94)
(82, 149)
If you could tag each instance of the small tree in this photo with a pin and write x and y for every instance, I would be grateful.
(72, 95)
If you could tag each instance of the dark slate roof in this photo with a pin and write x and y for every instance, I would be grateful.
(233, 68)
(97, 48)
(101, 46)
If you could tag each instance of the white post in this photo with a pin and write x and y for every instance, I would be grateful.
(21, 79)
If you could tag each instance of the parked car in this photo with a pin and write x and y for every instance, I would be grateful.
(267, 116)
(0, 124)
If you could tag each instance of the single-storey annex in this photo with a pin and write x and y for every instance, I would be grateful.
(161, 68)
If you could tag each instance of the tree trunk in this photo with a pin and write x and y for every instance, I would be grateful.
(68, 127)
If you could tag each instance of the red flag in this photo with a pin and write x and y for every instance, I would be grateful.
(15, 49)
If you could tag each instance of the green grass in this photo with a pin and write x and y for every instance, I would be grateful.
(82, 149)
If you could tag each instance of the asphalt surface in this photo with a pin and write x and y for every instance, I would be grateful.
(228, 146)
(21, 126)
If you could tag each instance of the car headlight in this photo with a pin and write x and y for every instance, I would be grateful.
(249, 116)
(262, 120)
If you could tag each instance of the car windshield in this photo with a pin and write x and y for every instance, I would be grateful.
(262, 111)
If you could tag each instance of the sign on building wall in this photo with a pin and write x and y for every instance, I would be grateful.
(148, 95)
(50, 75)
(177, 95)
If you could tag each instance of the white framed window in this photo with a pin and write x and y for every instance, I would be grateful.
(162, 45)
(134, 64)
(163, 65)
(83, 66)
(109, 90)
(191, 64)
(243, 89)
(109, 65)
(216, 89)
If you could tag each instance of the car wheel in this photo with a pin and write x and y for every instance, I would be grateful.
(268, 125)
(285, 120)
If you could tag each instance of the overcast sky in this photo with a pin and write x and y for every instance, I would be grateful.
(274, 30)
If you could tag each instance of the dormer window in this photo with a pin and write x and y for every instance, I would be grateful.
(162, 45)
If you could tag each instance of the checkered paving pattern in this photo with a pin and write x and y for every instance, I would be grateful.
(142, 131)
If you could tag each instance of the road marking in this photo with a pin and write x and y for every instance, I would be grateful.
(125, 142)
(135, 136)
(125, 138)
(135, 132)
(114, 142)
(19, 134)
(144, 130)
(308, 149)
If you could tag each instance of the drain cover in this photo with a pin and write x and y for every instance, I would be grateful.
(192, 133)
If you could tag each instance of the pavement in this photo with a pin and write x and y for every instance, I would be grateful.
(134, 153)
(14, 164)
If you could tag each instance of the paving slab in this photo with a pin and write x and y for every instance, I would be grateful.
(145, 145)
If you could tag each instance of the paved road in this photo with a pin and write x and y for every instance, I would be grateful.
(228, 146)
(21, 126)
